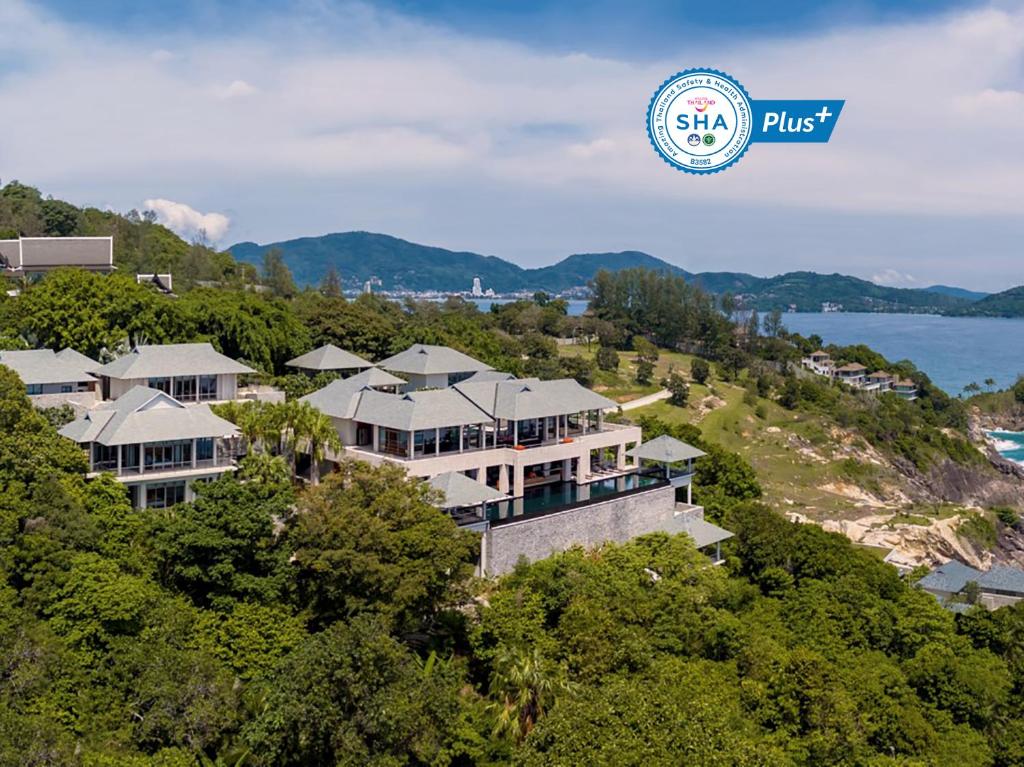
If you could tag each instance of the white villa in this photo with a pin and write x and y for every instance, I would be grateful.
(856, 375)
(533, 465)
(54, 379)
(155, 445)
(188, 372)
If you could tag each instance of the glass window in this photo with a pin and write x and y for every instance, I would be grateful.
(104, 458)
(185, 388)
(393, 441)
(35, 388)
(129, 457)
(168, 455)
(426, 442)
(471, 437)
(165, 495)
(450, 440)
(207, 387)
(204, 449)
(161, 384)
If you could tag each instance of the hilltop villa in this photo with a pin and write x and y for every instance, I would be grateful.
(155, 445)
(856, 375)
(533, 465)
(187, 372)
(54, 379)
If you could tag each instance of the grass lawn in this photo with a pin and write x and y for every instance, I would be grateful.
(621, 385)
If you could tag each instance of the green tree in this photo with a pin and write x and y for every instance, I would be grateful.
(700, 370)
(525, 685)
(330, 286)
(607, 359)
(368, 539)
(678, 389)
(644, 372)
(276, 274)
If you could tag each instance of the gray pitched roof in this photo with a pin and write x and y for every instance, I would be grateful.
(483, 376)
(339, 398)
(424, 359)
(1003, 578)
(665, 449)
(42, 366)
(172, 360)
(418, 410)
(460, 491)
(146, 415)
(703, 533)
(951, 576)
(329, 357)
(523, 398)
(87, 364)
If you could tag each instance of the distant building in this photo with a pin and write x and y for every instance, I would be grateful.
(828, 306)
(478, 290)
(162, 282)
(27, 256)
(54, 379)
(820, 362)
(905, 388)
(1002, 585)
(852, 373)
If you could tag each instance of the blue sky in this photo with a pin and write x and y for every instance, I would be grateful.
(517, 129)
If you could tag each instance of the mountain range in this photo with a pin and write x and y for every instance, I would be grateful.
(394, 264)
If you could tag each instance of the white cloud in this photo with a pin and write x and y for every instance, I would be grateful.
(894, 279)
(187, 221)
(351, 99)
(237, 89)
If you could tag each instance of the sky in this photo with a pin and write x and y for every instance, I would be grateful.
(517, 129)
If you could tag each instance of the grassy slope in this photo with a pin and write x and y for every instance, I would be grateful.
(796, 455)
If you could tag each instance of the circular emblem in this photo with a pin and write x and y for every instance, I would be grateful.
(702, 104)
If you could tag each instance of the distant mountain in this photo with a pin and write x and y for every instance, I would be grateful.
(1009, 303)
(947, 290)
(402, 265)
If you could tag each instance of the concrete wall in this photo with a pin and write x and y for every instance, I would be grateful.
(537, 538)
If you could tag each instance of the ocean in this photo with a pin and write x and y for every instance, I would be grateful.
(953, 351)
(1010, 444)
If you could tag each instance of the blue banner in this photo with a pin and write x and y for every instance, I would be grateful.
(793, 121)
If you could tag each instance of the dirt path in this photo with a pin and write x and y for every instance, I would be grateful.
(647, 399)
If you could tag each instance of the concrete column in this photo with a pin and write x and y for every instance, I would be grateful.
(585, 420)
(214, 451)
(620, 456)
(193, 453)
(583, 467)
(142, 461)
(558, 419)
(503, 479)
(376, 439)
(196, 395)
(119, 460)
(481, 475)
(689, 494)
(142, 493)
(600, 420)
(462, 445)
(437, 441)
(518, 485)
(412, 443)
(566, 469)
(515, 432)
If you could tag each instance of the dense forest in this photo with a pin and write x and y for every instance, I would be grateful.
(268, 625)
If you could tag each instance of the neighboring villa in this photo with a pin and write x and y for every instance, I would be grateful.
(27, 256)
(54, 379)
(432, 367)
(156, 445)
(998, 587)
(187, 372)
(329, 358)
(856, 375)
(531, 464)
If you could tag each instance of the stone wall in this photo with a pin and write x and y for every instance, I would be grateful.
(615, 520)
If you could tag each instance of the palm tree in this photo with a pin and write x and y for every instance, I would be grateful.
(525, 685)
(990, 383)
(319, 435)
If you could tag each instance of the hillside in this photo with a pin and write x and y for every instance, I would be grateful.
(403, 265)
(1009, 303)
(949, 290)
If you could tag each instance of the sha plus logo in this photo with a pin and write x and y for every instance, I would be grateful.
(702, 121)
